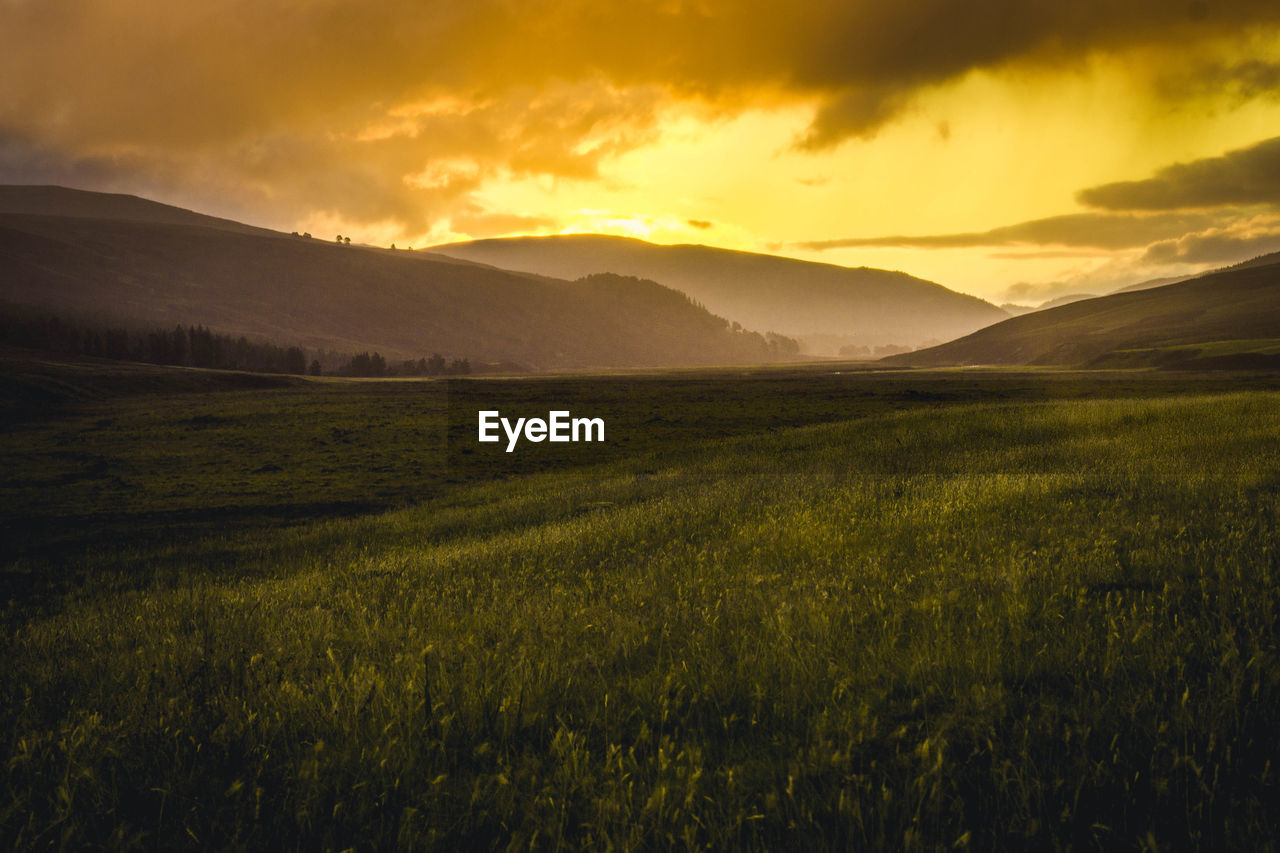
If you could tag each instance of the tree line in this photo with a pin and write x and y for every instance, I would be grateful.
(373, 364)
(198, 346)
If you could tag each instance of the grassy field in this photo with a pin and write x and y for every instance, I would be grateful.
(1254, 353)
(789, 609)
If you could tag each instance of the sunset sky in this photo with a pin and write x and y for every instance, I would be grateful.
(1013, 149)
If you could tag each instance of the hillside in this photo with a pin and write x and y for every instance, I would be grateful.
(1153, 282)
(826, 306)
(1228, 318)
(149, 263)
(1016, 309)
(1257, 261)
(79, 204)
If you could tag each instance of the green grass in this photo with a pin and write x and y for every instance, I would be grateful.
(1191, 355)
(917, 623)
(127, 472)
(1267, 346)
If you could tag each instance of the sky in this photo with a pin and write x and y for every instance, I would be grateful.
(1018, 150)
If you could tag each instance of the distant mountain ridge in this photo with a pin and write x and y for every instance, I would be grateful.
(136, 260)
(1230, 317)
(834, 305)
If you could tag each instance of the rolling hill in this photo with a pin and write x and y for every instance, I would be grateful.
(1150, 283)
(79, 204)
(1228, 318)
(126, 259)
(824, 305)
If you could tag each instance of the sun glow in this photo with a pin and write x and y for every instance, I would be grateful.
(735, 125)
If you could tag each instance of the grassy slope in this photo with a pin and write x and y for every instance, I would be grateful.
(318, 294)
(760, 291)
(1236, 354)
(1001, 624)
(1235, 304)
(32, 386)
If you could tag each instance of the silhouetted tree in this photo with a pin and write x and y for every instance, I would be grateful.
(179, 351)
(157, 348)
(198, 346)
(115, 344)
(365, 364)
(295, 361)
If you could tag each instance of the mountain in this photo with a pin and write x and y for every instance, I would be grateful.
(1228, 318)
(1015, 309)
(1257, 261)
(124, 260)
(79, 204)
(1150, 283)
(826, 306)
(1065, 300)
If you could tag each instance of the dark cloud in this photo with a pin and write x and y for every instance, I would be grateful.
(1199, 213)
(1240, 81)
(1083, 230)
(194, 72)
(253, 94)
(1248, 80)
(702, 224)
(855, 112)
(23, 161)
(1243, 177)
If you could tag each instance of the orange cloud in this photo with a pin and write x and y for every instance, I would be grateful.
(284, 107)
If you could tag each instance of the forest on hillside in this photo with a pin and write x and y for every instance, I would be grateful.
(198, 346)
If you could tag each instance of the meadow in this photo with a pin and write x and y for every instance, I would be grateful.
(785, 609)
